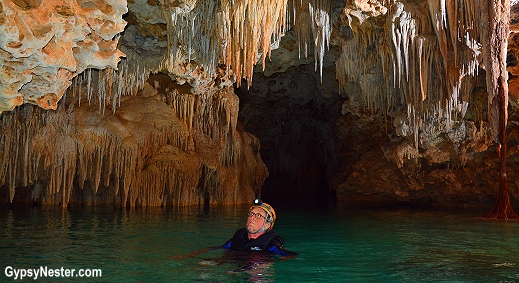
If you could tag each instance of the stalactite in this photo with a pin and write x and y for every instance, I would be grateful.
(112, 84)
(429, 60)
(321, 33)
(89, 85)
(231, 36)
(214, 114)
(239, 34)
(157, 166)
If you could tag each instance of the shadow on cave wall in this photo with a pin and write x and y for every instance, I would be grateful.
(294, 116)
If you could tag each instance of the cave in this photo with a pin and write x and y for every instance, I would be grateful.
(147, 103)
(340, 140)
(295, 123)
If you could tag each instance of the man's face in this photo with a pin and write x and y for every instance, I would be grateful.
(256, 220)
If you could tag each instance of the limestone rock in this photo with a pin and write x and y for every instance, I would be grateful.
(159, 149)
(44, 44)
(413, 123)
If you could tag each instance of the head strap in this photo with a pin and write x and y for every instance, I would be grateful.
(271, 214)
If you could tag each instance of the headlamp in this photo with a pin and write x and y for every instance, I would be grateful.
(271, 214)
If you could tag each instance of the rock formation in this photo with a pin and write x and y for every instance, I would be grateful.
(44, 44)
(364, 100)
(158, 149)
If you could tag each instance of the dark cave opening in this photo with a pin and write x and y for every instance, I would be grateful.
(294, 116)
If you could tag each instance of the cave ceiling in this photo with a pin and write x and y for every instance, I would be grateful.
(419, 62)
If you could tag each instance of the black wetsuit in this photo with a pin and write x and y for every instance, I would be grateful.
(270, 241)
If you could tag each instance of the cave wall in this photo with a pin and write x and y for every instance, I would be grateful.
(427, 87)
(359, 100)
(317, 151)
(386, 143)
(163, 147)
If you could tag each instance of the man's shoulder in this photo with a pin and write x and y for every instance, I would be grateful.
(276, 240)
(277, 246)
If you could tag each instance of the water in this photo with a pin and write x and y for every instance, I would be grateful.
(335, 245)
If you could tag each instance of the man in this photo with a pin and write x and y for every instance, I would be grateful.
(258, 234)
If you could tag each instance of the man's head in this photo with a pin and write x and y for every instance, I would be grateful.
(261, 218)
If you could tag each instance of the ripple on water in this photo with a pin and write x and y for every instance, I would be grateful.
(333, 246)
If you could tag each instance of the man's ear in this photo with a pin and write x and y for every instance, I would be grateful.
(268, 225)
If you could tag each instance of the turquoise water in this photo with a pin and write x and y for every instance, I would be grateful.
(335, 244)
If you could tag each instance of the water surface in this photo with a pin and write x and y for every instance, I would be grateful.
(335, 244)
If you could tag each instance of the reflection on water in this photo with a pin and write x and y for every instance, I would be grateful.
(253, 267)
(335, 245)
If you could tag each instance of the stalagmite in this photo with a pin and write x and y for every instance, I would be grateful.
(495, 31)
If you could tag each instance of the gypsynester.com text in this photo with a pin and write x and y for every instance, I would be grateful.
(46, 272)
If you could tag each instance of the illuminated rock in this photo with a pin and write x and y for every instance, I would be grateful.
(150, 153)
(44, 44)
(411, 68)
